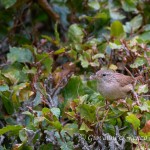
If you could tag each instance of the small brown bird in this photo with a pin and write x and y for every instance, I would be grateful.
(114, 86)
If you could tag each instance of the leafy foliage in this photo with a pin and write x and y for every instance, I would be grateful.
(49, 49)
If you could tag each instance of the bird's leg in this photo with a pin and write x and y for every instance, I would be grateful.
(124, 102)
(121, 101)
(136, 98)
(106, 104)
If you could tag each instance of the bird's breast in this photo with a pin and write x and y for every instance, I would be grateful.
(112, 91)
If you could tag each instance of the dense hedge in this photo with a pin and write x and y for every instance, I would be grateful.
(48, 51)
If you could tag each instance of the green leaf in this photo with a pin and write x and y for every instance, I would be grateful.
(109, 128)
(57, 33)
(131, 118)
(46, 61)
(134, 24)
(38, 120)
(20, 55)
(84, 61)
(12, 74)
(55, 111)
(117, 29)
(28, 114)
(4, 88)
(116, 15)
(85, 128)
(114, 11)
(20, 86)
(59, 51)
(99, 55)
(129, 5)
(8, 3)
(75, 34)
(138, 62)
(92, 84)
(71, 128)
(87, 112)
(8, 128)
(23, 146)
(67, 145)
(38, 99)
(57, 125)
(46, 147)
(23, 135)
(7, 103)
(39, 87)
(145, 36)
(45, 110)
(147, 27)
(95, 63)
(94, 4)
(143, 89)
(48, 38)
(73, 89)
(114, 46)
(145, 106)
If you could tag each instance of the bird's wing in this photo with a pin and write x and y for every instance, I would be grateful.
(124, 80)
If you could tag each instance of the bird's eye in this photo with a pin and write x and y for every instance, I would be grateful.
(104, 75)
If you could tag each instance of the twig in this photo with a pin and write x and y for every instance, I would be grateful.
(128, 71)
(45, 5)
(102, 122)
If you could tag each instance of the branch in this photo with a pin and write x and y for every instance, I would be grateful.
(45, 5)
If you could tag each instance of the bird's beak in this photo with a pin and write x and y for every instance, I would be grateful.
(93, 77)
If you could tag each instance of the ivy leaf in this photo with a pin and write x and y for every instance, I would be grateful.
(7, 103)
(94, 4)
(20, 86)
(45, 110)
(87, 112)
(4, 88)
(20, 55)
(59, 51)
(84, 62)
(56, 112)
(99, 55)
(129, 5)
(45, 60)
(57, 33)
(13, 128)
(57, 125)
(84, 127)
(133, 120)
(145, 106)
(138, 62)
(37, 120)
(114, 46)
(50, 39)
(66, 145)
(46, 147)
(117, 29)
(38, 99)
(143, 89)
(14, 74)
(109, 128)
(73, 89)
(145, 36)
(113, 67)
(71, 128)
(8, 3)
(25, 94)
(134, 24)
(23, 135)
(75, 34)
